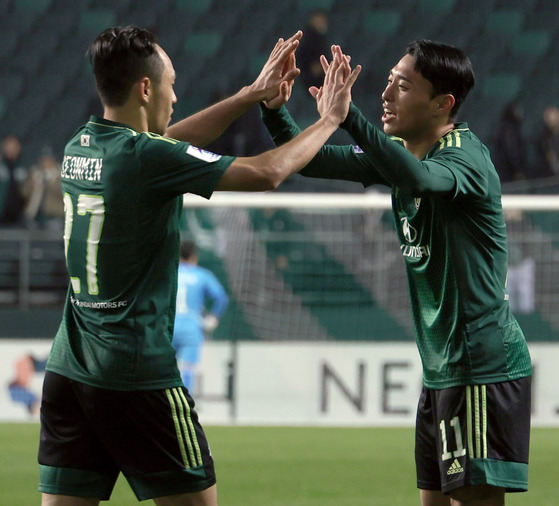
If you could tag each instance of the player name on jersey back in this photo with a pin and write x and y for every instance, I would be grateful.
(82, 168)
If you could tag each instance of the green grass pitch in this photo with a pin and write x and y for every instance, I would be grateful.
(292, 466)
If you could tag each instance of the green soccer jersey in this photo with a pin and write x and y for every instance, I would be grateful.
(123, 199)
(451, 228)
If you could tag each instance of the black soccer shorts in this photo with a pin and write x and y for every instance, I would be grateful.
(89, 435)
(472, 435)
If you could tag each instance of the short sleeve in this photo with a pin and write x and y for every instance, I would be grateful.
(170, 167)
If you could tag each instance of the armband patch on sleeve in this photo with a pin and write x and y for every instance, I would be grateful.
(202, 154)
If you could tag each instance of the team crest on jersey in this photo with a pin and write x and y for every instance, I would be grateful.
(84, 140)
(417, 202)
(410, 233)
(410, 250)
(202, 154)
(357, 149)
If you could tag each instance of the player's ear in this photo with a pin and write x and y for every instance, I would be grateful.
(445, 102)
(144, 89)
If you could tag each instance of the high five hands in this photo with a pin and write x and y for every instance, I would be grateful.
(276, 79)
(279, 73)
(334, 95)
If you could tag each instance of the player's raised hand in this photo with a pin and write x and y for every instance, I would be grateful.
(286, 87)
(313, 90)
(278, 71)
(334, 95)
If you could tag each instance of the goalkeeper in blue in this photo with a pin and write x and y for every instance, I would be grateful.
(201, 302)
(473, 418)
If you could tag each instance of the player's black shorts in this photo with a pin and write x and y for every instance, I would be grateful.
(472, 435)
(89, 435)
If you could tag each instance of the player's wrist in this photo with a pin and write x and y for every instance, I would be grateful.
(255, 94)
(330, 120)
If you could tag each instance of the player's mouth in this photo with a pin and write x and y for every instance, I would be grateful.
(388, 115)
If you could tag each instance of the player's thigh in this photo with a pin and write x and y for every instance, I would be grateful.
(206, 497)
(433, 498)
(73, 461)
(499, 435)
(426, 448)
(157, 441)
(484, 437)
(478, 495)
(66, 500)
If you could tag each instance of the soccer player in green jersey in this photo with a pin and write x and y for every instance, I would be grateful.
(113, 399)
(473, 419)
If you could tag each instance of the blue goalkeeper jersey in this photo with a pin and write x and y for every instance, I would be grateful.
(198, 292)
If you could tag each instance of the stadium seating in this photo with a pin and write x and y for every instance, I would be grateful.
(452, 32)
(202, 35)
(502, 87)
(95, 21)
(47, 90)
(532, 43)
(11, 85)
(342, 305)
(309, 5)
(505, 22)
(35, 6)
(194, 6)
(378, 27)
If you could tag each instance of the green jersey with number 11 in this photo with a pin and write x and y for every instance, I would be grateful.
(123, 198)
(450, 223)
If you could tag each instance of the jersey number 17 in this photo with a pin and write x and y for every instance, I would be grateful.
(92, 206)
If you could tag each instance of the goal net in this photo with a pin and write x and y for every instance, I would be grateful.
(328, 266)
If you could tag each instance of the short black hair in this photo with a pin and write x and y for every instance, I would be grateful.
(120, 56)
(446, 67)
(188, 249)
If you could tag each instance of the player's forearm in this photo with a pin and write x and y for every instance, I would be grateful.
(207, 125)
(395, 163)
(391, 159)
(331, 162)
(280, 125)
(266, 171)
(220, 306)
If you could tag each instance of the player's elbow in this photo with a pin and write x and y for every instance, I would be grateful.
(416, 187)
(417, 184)
(264, 178)
(271, 170)
(272, 179)
(257, 174)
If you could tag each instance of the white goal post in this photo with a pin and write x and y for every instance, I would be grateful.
(344, 201)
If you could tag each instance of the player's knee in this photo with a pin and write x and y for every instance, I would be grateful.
(479, 495)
